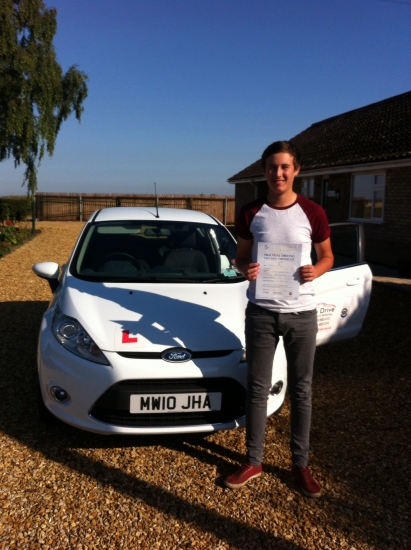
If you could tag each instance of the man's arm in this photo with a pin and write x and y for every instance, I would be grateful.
(243, 259)
(324, 263)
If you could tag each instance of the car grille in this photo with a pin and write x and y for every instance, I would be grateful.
(113, 406)
(158, 354)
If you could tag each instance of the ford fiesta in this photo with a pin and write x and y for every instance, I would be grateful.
(145, 331)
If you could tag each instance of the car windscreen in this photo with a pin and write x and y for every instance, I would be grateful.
(155, 251)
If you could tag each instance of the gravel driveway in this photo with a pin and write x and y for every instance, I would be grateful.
(63, 488)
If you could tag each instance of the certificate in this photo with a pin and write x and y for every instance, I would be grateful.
(278, 278)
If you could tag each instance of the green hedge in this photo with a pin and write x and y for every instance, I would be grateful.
(15, 208)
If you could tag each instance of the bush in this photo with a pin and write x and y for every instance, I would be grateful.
(8, 233)
(15, 208)
(11, 235)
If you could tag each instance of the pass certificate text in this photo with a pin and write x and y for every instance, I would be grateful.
(278, 278)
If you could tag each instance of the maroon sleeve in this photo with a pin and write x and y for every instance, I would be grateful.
(317, 218)
(245, 217)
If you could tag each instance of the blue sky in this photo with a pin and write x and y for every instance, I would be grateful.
(186, 93)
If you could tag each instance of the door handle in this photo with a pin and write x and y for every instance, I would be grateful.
(356, 281)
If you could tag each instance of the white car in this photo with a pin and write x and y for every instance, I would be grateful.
(145, 331)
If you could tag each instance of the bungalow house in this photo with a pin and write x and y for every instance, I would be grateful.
(357, 165)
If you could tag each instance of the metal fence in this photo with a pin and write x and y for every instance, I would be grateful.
(79, 207)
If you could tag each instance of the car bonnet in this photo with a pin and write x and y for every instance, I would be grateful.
(153, 317)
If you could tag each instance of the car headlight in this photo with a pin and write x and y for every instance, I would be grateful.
(73, 337)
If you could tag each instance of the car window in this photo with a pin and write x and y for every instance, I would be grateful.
(155, 251)
(346, 242)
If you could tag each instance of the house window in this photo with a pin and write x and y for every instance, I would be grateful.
(307, 188)
(367, 202)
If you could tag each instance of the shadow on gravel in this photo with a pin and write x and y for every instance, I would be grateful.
(361, 432)
(19, 325)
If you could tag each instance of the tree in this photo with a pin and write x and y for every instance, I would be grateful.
(35, 95)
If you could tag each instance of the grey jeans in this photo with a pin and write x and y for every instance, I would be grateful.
(262, 331)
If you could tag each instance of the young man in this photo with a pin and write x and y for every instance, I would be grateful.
(288, 219)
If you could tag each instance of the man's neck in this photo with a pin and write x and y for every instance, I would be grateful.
(282, 201)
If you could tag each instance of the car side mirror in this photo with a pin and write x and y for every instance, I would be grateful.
(49, 271)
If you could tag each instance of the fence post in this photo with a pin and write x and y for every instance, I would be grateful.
(190, 203)
(225, 211)
(118, 201)
(80, 208)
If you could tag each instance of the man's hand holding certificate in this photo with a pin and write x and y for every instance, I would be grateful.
(279, 265)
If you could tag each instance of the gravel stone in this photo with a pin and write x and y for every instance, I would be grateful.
(64, 488)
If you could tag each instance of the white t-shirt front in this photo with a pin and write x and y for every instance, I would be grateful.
(304, 222)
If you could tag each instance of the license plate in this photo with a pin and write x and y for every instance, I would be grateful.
(177, 402)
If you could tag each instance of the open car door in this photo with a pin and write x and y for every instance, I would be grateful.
(343, 294)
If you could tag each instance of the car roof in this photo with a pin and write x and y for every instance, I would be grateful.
(167, 214)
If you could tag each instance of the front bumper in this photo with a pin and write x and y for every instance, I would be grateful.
(99, 395)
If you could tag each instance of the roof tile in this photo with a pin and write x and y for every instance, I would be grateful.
(378, 132)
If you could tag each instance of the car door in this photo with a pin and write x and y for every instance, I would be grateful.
(343, 294)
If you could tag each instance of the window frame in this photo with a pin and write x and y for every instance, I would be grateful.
(376, 187)
(308, 188)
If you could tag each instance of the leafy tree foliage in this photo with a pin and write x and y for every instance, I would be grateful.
(35, 95)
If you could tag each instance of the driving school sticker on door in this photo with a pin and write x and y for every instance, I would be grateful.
(325, 314)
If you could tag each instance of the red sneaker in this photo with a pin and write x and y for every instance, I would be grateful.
(306, 481)
(243, 475)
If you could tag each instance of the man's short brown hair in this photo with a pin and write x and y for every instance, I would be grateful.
(281, 147)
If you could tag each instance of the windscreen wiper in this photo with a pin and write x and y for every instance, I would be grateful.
(162, 280)
(224, 279)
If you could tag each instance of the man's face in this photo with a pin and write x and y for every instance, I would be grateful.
(280, 173)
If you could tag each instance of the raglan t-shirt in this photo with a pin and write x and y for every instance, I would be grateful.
(304, 222)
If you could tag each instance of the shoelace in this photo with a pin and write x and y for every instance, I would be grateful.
(244, 469)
